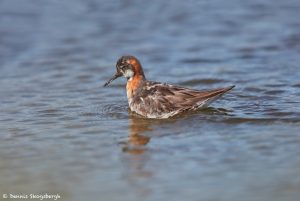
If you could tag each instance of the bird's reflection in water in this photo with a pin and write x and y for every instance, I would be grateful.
(137, 157)
(139, 126)
(140, 129)
(137, 139)
(139, 165)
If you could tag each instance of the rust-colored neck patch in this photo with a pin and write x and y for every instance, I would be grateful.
(133, 85)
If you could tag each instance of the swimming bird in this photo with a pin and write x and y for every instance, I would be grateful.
(159, 100)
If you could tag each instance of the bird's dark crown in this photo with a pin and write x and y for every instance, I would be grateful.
(129, 62)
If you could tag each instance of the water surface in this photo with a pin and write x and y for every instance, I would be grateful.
(62, 133)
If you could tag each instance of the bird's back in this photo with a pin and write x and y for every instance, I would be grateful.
(161, 100)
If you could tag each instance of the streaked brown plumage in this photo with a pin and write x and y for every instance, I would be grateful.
(160, 100)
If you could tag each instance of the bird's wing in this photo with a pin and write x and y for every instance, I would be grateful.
(164, 98)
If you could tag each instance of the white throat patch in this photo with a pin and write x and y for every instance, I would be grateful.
(128, 74)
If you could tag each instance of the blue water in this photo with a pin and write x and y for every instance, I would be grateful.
(62, 133)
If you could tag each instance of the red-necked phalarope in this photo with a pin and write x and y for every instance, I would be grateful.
(160, 100)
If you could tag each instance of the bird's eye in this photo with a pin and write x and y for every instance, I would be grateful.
(124, 67)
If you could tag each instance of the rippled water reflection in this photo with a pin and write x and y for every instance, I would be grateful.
(62, 132)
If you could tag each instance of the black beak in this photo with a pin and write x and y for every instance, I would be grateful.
(113, 78)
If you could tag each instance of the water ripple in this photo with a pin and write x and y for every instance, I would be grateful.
(202, 81)
(114, 110)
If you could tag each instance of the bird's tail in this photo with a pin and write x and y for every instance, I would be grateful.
(207, 97)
